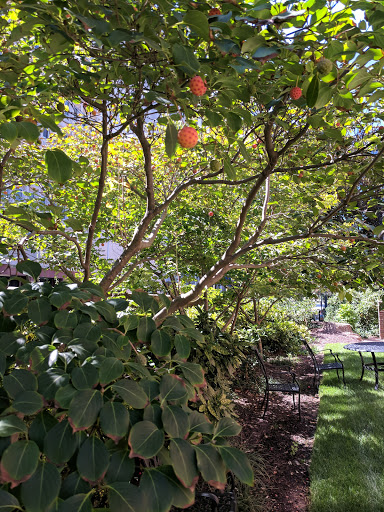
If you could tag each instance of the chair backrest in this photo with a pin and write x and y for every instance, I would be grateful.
(310, 352)
(262, 365)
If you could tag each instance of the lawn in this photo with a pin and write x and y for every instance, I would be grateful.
(347, 468)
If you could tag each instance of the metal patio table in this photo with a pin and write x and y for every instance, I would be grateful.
(373, 347)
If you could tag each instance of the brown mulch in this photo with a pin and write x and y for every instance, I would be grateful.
(284, 442)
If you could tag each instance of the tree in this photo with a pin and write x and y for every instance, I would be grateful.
(295, 169)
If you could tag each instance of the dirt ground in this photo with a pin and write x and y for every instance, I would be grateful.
(284, 442)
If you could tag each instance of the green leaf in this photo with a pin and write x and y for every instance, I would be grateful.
(73, 484)
(126, 497)
(88, 331)
(183, 459)
(59, 298)
(170, 139)
(145, 440)
(131, 322)
(199, 423)
(59, 165)
(10, 425)
(9, 344)
(161, 344)
(92, 460)
(18, 381)
(184, 58)
(313, 91)
(193, 373)
(227, 427)
(172, 388)
(110, 369)
(114, 420)
(175, 421)
(182, 345)
(121, 467)
(181, 496)
(60, 443)
(84, 408)
(198, 22)
(8, 502)
(65, 395)
(211, 465)
(229, 169)
(77, 503)
(42, 489)
(20, 459)
(28, 131)
(9, 132)
(145, 329)
(243, 150)
(51, 381)
(30, 268)
(16, 303)
(65, 319)
(40, 427)
(143, 300)
(194, 334)
(39, 311)
(238, 463)
(153, 413)
(157, 490)
(28, 402)
(151, 388)
(107, 311)
(234, 121)
(85, 377)
(131, 393)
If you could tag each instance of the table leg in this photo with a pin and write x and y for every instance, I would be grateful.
(362, 366)
(376, 371)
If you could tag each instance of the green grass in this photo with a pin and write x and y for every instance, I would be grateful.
(347, 468)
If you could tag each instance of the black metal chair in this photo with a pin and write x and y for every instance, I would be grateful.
(337, 365)
(292, 387)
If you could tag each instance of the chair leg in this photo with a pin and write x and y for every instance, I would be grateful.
(266, 403)
(293, 400)
(337, 371)
(342, 368)
(262, 403)
(299, 407)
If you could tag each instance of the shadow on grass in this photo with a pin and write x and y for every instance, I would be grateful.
(347, 468)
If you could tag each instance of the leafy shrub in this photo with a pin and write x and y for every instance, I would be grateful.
(94, 405)
(298, 310)
(219, 355)
(360, 312)
(278, 337)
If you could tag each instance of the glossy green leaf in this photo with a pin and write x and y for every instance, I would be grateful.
(42, 489)
(227, 427)
(58, 299)
(60, 443)
(193, 373)
(199, 423)
(9, 132)
(182, 497)
(110, 369)
(19, 380)
(77, 503)
(39, 311)
(172, 388)
(16, 303)
(170, 139)
(145, 440)
(8, 502)
(114, 420)
(211, 465)
(85, 377)
(151, 388)
(65, 395)
(59, 165)
(157, 490)
(88, 331)
(126, 497)
(107, 311)
(30, 268)
(121, 467)
(93, 459)
(51, 381)
(194, 334)
(183, 459)
(131, 393)
(9, 343)
(73, 484)
(28, 402)
(238, 463)
(10, 425)
(185, 59)
(20, 459)
(313, 91)
(153, 413)
(65, 319)
(84, 408)
(175, 421)
(197, 22)
(40, 427)
(161, 344)
(145, 329)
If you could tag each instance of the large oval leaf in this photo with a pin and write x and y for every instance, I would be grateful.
(40, 427)
(84, 408)
(211, 465)
(114, 420)
(39, 311)
(172, 388)
(28, 402)
(92, 460)
(51, 381)
(145, 440)
(157, 490)
(20, 459)
(18, 381)
(183, 460)
(121, 467)
(77, 503)
(237, 462)
(85, 377)
(42, 489)
(227, 427)
(60, 443)
(59, 165)
(175, 421)
(126, 497)
(10, 425)
(30, 268)
(145, 329)
(8, 502)
(131, 393)
(161, 344)
(110, 369)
